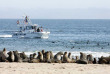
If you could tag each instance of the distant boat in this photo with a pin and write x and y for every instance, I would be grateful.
(29, 30)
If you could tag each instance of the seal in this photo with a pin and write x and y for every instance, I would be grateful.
(69, 55)
(58, 57)
(40, 56)
(4, 52)
(90, 59)
(66, 59)
(77, 58)
(34, 61)
(51, 55)
(83, 59)
(44, 55)
(23, 55)
(34, 55)
(3, 57)
(31, 56)
(17, 56)
(104, 60)
(11, 56)
(43, 52)
(95, 61)
(47, 56)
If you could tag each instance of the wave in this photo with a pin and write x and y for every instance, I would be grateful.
(8, 30)
(5, 36)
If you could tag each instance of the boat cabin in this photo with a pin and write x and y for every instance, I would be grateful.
(33, 28)
(27, 27)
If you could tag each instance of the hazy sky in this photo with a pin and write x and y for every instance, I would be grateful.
(55, 9)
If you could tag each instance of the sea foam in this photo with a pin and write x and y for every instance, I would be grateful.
(4, 36)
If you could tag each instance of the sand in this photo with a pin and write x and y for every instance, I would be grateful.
(53, 68)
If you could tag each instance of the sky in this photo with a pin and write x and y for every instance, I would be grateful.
(55, 9)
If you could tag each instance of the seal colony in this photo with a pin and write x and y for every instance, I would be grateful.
(48, 57)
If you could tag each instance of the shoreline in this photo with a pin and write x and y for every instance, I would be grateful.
(53, 68)
(73, 53)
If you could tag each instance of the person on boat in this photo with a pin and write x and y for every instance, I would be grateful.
(41, 29)
(38, 30)
(17, 21)
(26, 20)
(35, 29)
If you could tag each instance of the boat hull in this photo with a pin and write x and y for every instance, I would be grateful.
(32, 35)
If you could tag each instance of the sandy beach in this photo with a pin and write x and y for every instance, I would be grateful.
(53, 68)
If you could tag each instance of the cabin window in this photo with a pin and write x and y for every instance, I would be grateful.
(20, 28)
(27, 27)
(30, 27)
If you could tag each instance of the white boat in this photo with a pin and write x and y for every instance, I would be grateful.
(29, 30)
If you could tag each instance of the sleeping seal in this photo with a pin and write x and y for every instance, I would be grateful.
(104, 60)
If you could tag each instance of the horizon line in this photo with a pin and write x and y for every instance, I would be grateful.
(61, 18)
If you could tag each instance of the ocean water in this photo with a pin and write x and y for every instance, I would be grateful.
(91, 36)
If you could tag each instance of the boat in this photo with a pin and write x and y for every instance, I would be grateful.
(29, 30)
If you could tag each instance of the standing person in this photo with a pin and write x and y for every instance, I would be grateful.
(26, 20)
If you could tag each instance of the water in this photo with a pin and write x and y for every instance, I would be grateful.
(88, 36)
